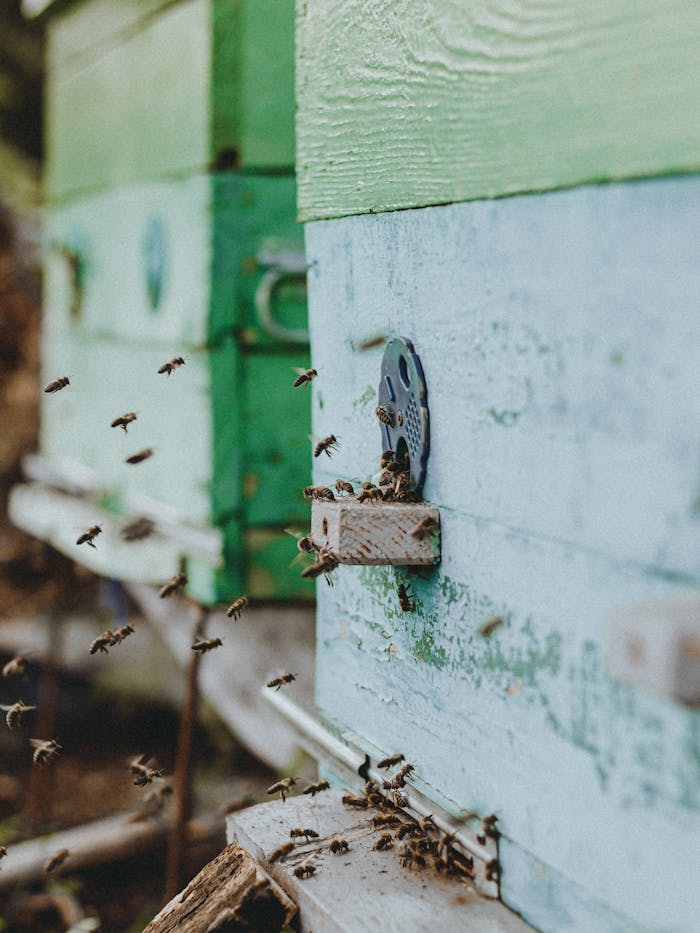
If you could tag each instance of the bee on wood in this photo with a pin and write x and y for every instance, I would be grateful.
(326, 446)
(427, 824)
(339, 846)
(15, 667)
(103, 642)
(236, 608)
(56, 861)
(306, 833)
(171, 365)
(488, 826)
(57, 385)
(280, 852)
(305, 376)
(316, 788)
(282, 787)
(122, 633)
(281, 681)
(145, 772)
(386, 458)
(384, 842)
(45, 750)
(207, 644)
(159, 793)
(407, 829)
(399, 799)
(410, 858)
(173, 586)
(406, 599)
(375, 799)
(123, 421)
(305, 870)
(404, 772)
(385, 415)
(319, 493)
(391, 760)
(137, 530)
(489, 627)
(385, 819)
(403, 491)
(15, 712)
(88, 537)
(373, 494)
(425, 526)
(359, 803)
(140, 456)
(343, 486)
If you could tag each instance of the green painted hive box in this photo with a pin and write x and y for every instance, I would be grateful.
(512, 187)
(170, 231)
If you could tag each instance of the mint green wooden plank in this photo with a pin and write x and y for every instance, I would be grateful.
(403, 105)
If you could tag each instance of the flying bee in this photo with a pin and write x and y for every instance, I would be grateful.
(280, 852)
(140, 456)
(122, 633)
(427, 824)
(316, 788)
(305, 376)
(385, 819)
(281, 681)
(137, 530)
(207, 644)
(57, 385)
(15, 713)
(391, 760)
(171, 365)
(16, 666)
(409, 858)
(103, 642)
(305, 870)
(172, 586)
(282, 787)
(388, 493)
(319, 492)
(123, 421)
(425, 526)
(304, 542)
(407, 600)
(490, 626)
(404, 772)
(145, 772)
(56, 861)
(306, 833)
(45, 750)
(373, 494)
(359, 803)
(384, 842)
(343, 486)
(339, 846)
(326, 445)
(236, 608)
(385, 415)
(88, 537)
(325, 565)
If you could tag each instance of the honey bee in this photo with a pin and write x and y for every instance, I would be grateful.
(407, 829)
(145, 772)
(305, 376)
(359, 803)
(410, 858)
(57, 385)
(282, 787)
(280, 852)
(324, 565)
(140, 456)
(385, 819)
(385, 415)
(123, 421)
(372, 342)
(56, 861)
(3, 852)
(172, 365)
(172, 586)
(15, 713)
(404, 772)
(425, 526)
(281, 681)
(316, 788)
(305, 870)
(399, 800)
(391, 760)
(386, 458)
(343, 486)
(488, 825)
(306, 833)
(122, 633)
(88, 537)
(490, 626)
(491, 870)
(406, 599)
(372, 494)
(403, 492)
(137, 530)
(103, 642)
(304, 542)
(319, 492)
(339, 846)
(207, 644)
(326, 446)
(16, 666)
(384, 842)
(427, 824)
(236, 608)
(45, 750)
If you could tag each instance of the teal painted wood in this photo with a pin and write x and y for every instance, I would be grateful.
(559, 338)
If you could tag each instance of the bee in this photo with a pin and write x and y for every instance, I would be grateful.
(370, 494)
(339, 846)
(385, 415)
(15, 713)
(488, 826)
(172, 365)
(16, 666)
(145, 772)
(319, 492)
(305, 376)
(306, 833)
(122, 633)
(172, 586)
(305, 870)
(384, 842)
(281, 681)
(343, 486)
(326, 446)
(207, 644)
(427, 824)
(324, 565)
(101, 644)
(410, 858)
(280, 852)
(56, 861)
(137, 530)
(88, 537)
(316, 788)
(406, 600)
(403, 492)
(391, 760)
(403, 773)
(3, 852)
(282, 787)
(304, 542)
(407, 829)
(123, 421)
(386, 458)
(57, 385)
(425, 526)
(490, 626)
(372, 342)
(140, 456)
(399, 800)
(45, 750)
(491, 870)
(359, 803)
(388, 493)
(236, 608)
(385, 819)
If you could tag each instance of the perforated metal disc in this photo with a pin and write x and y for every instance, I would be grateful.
(403, 391)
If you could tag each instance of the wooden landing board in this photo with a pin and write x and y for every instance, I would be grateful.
(429, 102)
(362, 889)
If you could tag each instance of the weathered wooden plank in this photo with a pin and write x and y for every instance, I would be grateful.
(414, 103)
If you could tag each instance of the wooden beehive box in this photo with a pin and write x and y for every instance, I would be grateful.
(559, 334)
(170, 230)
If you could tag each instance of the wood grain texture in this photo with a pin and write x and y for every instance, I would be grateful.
(412, 103)
(559, 345)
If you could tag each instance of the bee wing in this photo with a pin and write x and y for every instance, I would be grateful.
(300, 370)
(37, 743)
(295, 533)
(7, 708)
